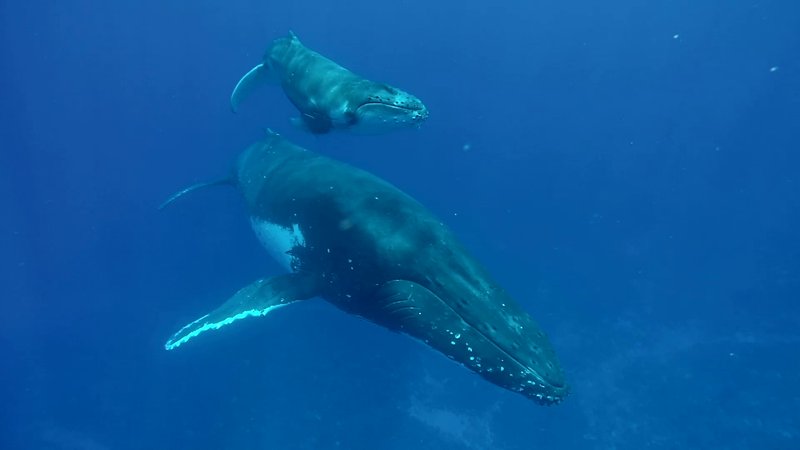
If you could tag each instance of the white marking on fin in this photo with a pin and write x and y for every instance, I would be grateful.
(189, 325)
(171, 345)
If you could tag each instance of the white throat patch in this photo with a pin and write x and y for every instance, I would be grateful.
(279, 240)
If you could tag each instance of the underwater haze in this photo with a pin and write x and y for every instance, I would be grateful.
(629, 171)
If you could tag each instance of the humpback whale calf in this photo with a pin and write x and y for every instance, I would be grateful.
(328, 96)
(371, 250)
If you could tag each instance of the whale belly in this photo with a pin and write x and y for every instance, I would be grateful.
(279, 241)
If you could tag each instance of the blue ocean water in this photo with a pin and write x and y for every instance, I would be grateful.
(627, 170)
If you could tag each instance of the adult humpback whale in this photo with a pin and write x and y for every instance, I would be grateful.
(329, 96)
(358, 242)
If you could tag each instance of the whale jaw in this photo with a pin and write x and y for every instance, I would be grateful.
(525, 364)
(387, 108)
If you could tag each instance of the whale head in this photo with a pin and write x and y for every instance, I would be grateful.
(383, 108)
(498, 340)
(454, 307)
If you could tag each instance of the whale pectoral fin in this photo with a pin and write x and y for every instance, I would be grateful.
(257, 76)
(255, 300)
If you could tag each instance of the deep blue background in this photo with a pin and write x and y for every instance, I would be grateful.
(630, 175)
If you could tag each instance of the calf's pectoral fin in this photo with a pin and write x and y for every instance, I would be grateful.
(257, 299)
(256, 77)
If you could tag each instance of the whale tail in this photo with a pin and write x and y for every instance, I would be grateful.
(221, 182)
(252, 80)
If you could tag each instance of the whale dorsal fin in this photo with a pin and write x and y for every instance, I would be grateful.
(255, 300)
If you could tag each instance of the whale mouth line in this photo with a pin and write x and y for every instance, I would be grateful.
(390, 105)
(557, 388)
(499, 347)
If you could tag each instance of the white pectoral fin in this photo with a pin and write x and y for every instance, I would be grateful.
(257, 76)
(255, 300)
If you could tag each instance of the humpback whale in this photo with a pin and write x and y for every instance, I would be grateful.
(358, 242)
(328, 96)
